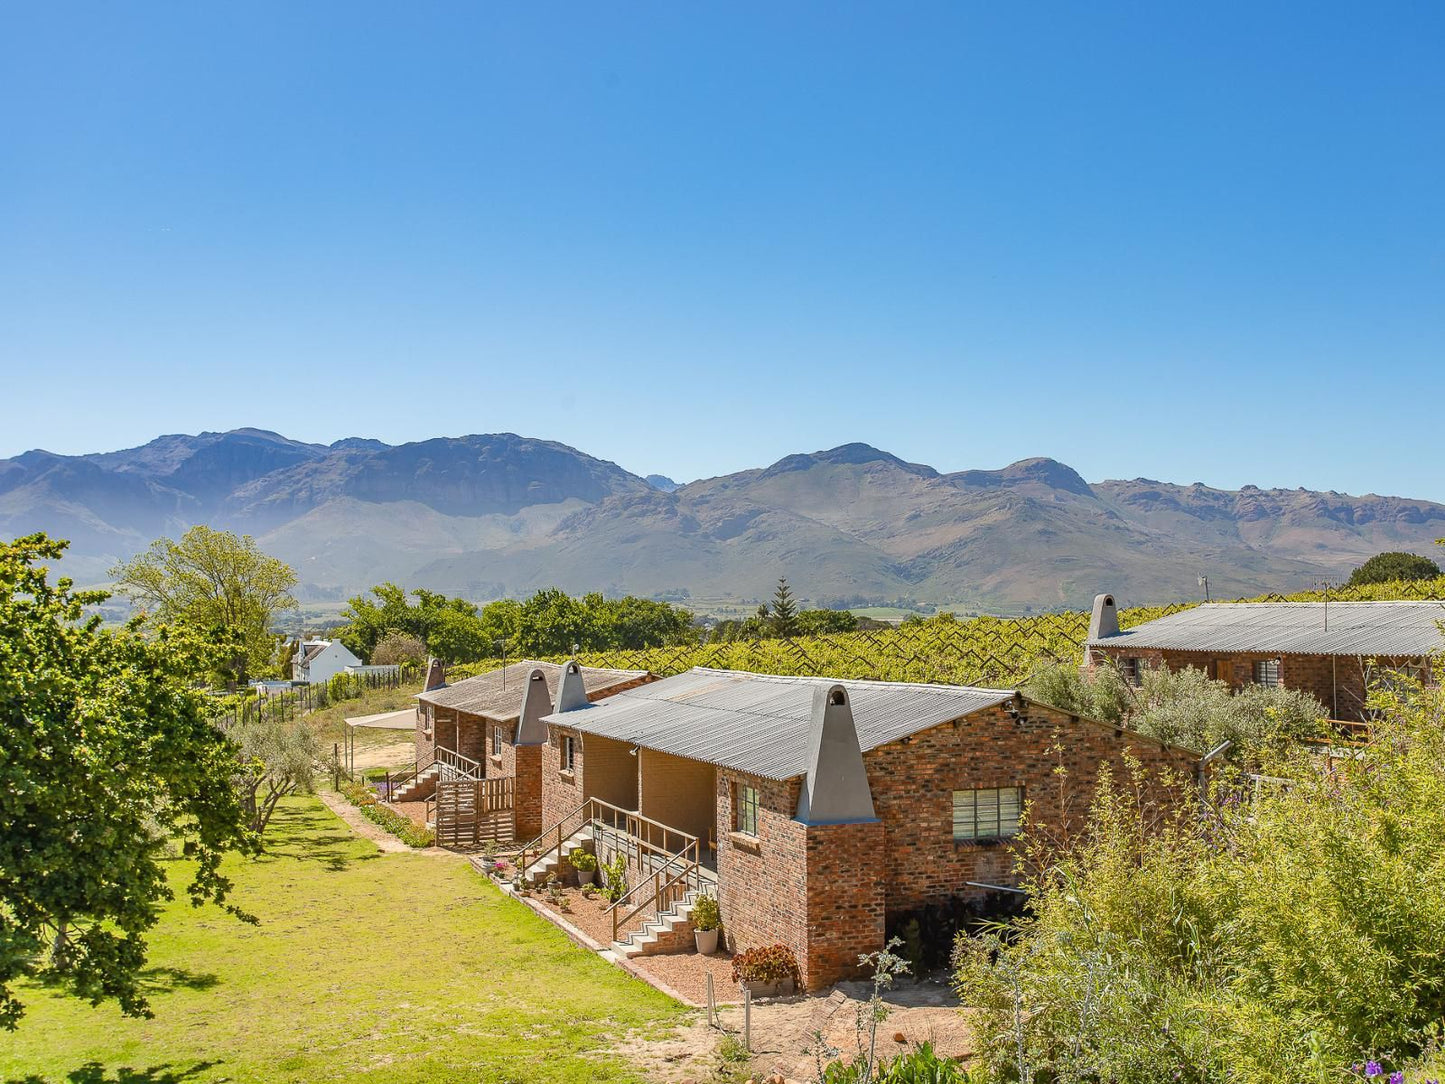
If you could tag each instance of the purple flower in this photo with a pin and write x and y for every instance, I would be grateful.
(1397, 1077)
(1373, 1069)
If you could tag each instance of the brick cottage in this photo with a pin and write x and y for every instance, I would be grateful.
(814, 809)
(1331, 650)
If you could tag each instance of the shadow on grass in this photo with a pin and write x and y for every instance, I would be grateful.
(94, 1073)
(165, 979)
(309, 834)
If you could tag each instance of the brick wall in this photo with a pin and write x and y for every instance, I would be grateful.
(762, 881)
(602, 768)
(846, 894)
(677, 791)
(425, 736)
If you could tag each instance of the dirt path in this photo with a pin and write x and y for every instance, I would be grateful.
(388, 843)
(388, 755)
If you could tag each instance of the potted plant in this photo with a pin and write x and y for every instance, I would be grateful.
(585, 863)
(768, 971)
(706, 923)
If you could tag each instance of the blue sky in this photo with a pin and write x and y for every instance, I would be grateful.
(1191, 242)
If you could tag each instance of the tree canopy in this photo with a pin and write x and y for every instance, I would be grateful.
(108, 754)
(1386, 567)
(213, 581)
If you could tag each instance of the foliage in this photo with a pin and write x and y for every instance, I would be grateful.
(706, 915)
(825, 622)
(403, 827)
(278, 758)
(1276, 940)
(615, 873)
(921, 1065)
(1185, 708)
(582, 861)
(353, 975)
(396, 648)
(107, 753)
(767, 964)
(783, 614)
(213, 581)
(1392, 566)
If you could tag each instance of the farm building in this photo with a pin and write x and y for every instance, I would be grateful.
(815, 810)
(318, 661)
(1331, 650)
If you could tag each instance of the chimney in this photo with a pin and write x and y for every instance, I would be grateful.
(836, 788)
(536, 703)
(571, 693)
(436, 675)
(1105, 619)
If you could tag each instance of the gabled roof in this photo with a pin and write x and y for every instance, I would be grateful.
(1385, 629)
(313, 650)
(758, 723)
(497, 694)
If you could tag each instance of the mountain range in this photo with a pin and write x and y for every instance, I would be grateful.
(499, 514)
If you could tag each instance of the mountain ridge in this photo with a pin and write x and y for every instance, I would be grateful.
(500, 513)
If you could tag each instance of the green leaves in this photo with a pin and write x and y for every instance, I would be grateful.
(107, 753)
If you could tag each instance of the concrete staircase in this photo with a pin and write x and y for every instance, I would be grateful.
(666, 931)
(423, 786)
(538, 871)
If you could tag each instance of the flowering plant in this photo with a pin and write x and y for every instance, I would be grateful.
(770, 964)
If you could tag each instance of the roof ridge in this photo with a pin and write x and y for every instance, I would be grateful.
(923, 686)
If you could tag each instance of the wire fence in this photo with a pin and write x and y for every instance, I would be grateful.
(287, 702)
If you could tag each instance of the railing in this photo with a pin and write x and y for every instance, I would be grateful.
(463, 767)
(642, 836)
(666, 892)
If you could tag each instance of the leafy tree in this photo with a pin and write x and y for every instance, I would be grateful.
(278, 758)
(783, 616)
(107, 753)
(398, 647)
(826, 622)
(213, 581)
(550, 622)
(1387, 567)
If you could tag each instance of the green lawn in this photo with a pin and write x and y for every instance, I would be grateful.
(366, 966)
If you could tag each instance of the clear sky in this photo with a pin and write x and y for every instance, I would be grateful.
(1185, 241)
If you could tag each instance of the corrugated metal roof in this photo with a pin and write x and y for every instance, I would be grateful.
(758, 723)
(1409, 629)
(497, 694)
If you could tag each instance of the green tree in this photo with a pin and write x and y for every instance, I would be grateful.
(783, 615)
(396, 648)
(278, 758)
(550, 622)
(213, 581)
(108, 752)
(826, 622)
(1387, 567)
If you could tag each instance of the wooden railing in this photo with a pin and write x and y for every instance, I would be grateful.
(641, 838)
(667, 888)
(461, 767)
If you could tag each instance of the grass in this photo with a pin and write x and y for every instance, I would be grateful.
(399, 967)
(329, 722)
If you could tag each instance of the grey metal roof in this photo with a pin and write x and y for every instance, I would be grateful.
(758, 723)
(497, 694)
(1407, 629)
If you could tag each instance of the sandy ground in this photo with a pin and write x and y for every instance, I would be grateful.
(782, 1030)
(387, 755)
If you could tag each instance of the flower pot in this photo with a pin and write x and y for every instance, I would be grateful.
(706, 941)
(786, 987)
(585, 876)
(761, 989)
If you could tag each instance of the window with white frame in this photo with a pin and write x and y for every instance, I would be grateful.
(423, 712)
(568, 753)
(496, 741)
(745, 809)
(987, 813)
(1266, 672)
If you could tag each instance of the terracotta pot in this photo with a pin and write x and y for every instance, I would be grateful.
(706, 941)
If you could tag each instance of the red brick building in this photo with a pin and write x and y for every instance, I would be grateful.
(1330, 650)
(816, 809)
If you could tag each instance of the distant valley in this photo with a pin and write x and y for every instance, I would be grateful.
(500, 514)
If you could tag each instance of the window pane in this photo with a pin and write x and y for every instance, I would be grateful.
(987, 812)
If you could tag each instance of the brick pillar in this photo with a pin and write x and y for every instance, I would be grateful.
(845, 899)
(528, 799)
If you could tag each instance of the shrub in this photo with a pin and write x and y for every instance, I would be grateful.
(582, 861)
(616, 873)
(921, 1065)
(706, 914)
(398, 648)
(404, 828)
(769, 964)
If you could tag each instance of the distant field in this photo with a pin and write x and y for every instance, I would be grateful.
(884, 613)
(396, 968)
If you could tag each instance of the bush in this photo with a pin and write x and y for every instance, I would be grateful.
(706, 915)
(769, 964)
(921, 1065)
(1394, 566)
(1276, 941)
(404, 828)
(397, 649)
(582, 861)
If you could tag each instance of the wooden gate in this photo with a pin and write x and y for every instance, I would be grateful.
(475, 811)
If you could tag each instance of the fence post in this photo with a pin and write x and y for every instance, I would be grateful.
(336, 766)
(747, 1018)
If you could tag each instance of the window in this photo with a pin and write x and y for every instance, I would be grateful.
(496, 741)
(1132, 670)
(568, 753)
(987, 813)
(423, 713)
(745, 809)
(1266, 672)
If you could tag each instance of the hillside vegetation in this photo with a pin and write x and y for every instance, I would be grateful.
(991, 651)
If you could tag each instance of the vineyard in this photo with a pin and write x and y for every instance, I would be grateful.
(989, 651)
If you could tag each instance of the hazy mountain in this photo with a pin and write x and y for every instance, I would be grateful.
(501, 514)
